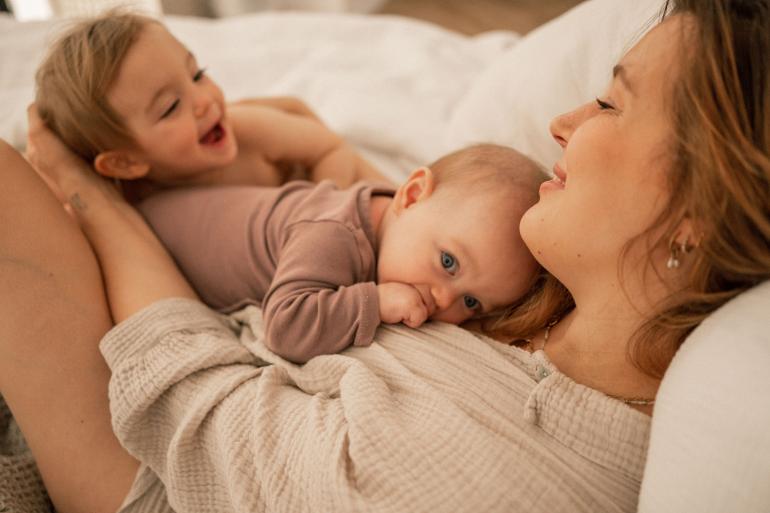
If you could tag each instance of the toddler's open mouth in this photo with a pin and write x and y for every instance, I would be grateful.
(213, 136)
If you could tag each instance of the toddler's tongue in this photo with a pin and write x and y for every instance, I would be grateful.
(213, 135)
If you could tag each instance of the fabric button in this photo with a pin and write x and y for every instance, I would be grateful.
(541, 372)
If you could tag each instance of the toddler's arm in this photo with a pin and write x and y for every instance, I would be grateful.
(284, 139)
(287, 104)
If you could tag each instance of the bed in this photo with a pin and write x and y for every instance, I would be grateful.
(405, 92)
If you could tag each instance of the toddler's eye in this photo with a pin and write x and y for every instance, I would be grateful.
(170, 110)
(471, 302)
(199, 74)
(448, 262)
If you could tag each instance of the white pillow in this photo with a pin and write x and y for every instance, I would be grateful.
(710, 443)
(552, 70)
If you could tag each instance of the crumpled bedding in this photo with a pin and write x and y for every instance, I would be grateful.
(388, 84)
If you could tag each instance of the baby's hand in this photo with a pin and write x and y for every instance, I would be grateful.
(400, 302)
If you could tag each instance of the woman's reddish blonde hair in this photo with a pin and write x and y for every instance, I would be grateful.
(719, 180)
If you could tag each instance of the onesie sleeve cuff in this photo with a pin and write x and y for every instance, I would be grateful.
(369, 315)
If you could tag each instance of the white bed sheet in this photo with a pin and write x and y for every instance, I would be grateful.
(389, 84)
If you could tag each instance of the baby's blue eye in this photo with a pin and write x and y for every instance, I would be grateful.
(448, 262)
(471, 302)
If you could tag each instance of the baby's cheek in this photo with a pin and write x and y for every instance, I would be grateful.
(453, 315)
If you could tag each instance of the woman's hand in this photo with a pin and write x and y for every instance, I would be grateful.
(68, 176)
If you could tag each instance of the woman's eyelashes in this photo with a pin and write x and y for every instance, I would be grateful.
(449, 262)
(604, 105)
(199, 74)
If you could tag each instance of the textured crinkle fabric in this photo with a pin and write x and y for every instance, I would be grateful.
(21, 487)
(435, 419)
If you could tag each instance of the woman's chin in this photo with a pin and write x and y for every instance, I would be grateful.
(531, 228)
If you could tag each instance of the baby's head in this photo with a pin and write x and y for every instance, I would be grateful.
(127, 96)
(452, 231)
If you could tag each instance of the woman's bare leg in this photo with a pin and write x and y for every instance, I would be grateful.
(52, 315)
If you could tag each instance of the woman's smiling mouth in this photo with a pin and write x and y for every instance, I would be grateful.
(558, 181)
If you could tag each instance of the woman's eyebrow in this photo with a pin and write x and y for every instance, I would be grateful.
(620, 72)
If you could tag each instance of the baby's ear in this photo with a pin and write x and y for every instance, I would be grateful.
(419, 186)
(120, 164)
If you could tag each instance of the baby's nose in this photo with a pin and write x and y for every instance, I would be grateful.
(444, 297)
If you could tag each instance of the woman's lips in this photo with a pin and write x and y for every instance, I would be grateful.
(558, 181)
(560, 174)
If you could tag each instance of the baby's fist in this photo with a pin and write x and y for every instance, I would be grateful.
(400, 302)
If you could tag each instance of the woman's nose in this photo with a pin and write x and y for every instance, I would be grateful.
(563, 126)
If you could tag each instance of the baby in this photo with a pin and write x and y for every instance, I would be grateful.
(128, 97)
(330, 265)
(327, 265)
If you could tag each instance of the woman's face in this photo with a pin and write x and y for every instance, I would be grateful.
(610, 181)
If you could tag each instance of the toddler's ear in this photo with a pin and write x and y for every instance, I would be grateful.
(418, 187)
(120, 164)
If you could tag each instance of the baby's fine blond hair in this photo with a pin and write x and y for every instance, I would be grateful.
(73, 80)
(491, 169)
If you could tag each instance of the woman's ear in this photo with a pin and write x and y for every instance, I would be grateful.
(419, 186)
(687, 236)
(120, 164)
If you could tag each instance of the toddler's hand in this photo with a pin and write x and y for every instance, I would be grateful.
(400, 302)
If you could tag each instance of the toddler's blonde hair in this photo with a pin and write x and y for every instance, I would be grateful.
(73, 81)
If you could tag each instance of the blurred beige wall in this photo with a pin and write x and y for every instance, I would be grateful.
(187, 7)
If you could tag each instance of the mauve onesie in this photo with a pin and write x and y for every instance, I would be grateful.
(306, 252)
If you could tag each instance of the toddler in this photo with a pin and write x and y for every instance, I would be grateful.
(128, 97)
(329, 265)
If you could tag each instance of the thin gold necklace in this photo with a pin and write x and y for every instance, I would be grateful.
(635, 401)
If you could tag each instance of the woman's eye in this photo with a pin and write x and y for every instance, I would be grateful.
(170, 110)
(603, 105)
(199, 74)
(471, 302)
(448, 262)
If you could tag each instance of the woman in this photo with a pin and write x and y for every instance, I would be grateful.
(666, 175)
